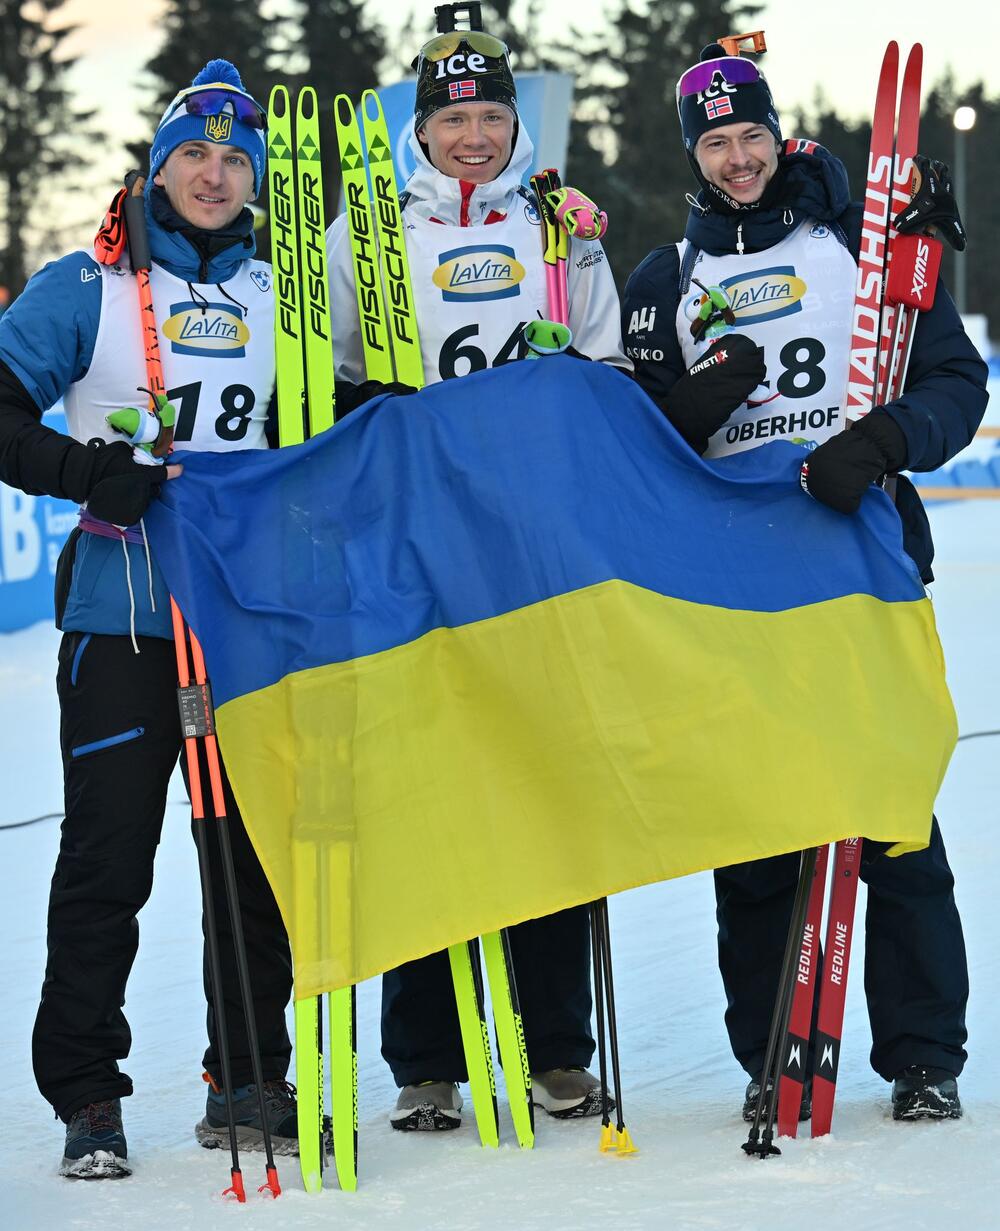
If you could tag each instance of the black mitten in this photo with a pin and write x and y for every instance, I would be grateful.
(120, 488)
(841, 469)
(722, 379)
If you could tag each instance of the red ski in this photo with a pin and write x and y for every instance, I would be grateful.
(796, 1051)
(879, 346)
(833, 990)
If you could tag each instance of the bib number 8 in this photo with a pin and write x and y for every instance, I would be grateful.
(802, 375)
(234, 422)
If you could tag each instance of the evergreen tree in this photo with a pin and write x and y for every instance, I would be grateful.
(337, 48)
(625, 141)
(196, 31)
(40, 128)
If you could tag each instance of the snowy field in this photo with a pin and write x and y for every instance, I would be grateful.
(682, 1088)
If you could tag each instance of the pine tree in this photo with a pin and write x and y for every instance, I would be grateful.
(196, 31)
(625, 142)
(40, 128)
(338, 49)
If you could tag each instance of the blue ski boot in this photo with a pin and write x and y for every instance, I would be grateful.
(95, 1143)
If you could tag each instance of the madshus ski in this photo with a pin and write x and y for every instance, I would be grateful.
(391, 345)
(897, 275)
(306, 406)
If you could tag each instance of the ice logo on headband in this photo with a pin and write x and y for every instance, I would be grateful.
(218, 127)
(459, 64)
(719, 85)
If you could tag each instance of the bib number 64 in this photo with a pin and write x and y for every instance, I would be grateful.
(458, 357)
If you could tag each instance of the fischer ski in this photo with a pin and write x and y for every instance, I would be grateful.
(307, 406)
(384, 290)
(467, 977)
(393, 259)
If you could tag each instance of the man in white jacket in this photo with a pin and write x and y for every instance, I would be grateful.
(475, 254)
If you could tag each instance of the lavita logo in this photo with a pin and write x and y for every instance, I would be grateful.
(478, 272)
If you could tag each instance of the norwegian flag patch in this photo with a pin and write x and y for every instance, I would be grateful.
(714, 107)
(461, 89)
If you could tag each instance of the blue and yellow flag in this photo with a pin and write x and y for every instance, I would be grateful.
(508, 645)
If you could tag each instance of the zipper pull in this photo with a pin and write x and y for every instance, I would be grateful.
(739, 239)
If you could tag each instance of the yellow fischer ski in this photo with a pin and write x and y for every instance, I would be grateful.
(306, 406)
(392, 246)
(368, 284)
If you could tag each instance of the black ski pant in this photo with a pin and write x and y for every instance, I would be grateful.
(120, 736)
(916, 975)
(421, 1037)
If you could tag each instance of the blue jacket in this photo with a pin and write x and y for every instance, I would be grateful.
(945, 393)
(47, 340)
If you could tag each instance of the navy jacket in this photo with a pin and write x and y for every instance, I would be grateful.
(944, 398)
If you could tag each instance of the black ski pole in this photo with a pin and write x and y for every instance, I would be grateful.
(233, 903)
(625, 1144)
(760, 1144)
(607, 1139)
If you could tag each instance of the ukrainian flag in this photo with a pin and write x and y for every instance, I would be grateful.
(508, 645)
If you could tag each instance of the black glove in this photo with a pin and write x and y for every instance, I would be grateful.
(121, 488)
(351, 396)
(841, 469)
(722, 379)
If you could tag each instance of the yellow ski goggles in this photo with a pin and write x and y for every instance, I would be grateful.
(444, 45)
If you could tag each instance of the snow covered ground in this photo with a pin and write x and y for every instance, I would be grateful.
(683, 1090)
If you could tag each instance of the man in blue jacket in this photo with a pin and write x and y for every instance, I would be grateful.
(774, 225)
(75, 333)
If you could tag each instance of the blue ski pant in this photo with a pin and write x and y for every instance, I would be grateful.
(120, 736)
(916, 974)
(421, 1038)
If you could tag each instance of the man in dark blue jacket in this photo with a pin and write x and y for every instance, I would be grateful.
(770, 251)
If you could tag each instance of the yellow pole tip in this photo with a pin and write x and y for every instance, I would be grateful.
(626, 1144)
(609, 1138)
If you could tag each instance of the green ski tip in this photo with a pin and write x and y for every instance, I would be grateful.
(278, 148)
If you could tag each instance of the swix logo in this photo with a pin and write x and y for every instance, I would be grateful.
(920, 269)
(641, 320)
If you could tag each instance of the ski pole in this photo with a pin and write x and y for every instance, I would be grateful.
(198, 721)
(562, 251)
(607, 1132)
(795, 1051)
(550, 246)
(762, 1145)
(625, 1144)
